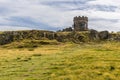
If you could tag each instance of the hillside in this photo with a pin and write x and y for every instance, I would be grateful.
(66, 61)
(64, 55)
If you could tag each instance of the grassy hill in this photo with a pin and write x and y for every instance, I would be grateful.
(47, 55)
(60, 61)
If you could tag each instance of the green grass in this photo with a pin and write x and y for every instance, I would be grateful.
(67, 61)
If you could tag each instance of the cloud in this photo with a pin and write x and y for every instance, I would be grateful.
(58, 14)
(13, 28)
(105, 2)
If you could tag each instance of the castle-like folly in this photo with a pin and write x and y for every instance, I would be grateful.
(80, 23)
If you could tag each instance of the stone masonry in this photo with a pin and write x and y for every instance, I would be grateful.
(80, 23)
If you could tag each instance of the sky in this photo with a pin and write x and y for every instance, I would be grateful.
(58, 14)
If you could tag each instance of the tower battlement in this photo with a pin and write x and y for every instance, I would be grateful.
(80, 18)
(80, 23)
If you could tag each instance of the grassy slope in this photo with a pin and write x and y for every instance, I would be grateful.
(62, 62)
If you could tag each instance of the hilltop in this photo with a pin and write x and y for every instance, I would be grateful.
(80, 32)
(63, 36)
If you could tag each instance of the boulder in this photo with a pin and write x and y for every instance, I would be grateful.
(103, 35)
(94, 35)
(5, 39)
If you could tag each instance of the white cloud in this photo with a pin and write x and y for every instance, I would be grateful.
(13, 28)
(59, 16)
(105, 2)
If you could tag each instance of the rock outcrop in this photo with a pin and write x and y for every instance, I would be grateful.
(104, 35)
(72, 36)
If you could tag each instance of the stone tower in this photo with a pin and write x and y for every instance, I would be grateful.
(80, 23)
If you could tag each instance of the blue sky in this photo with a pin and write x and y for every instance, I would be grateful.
(58, 14)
